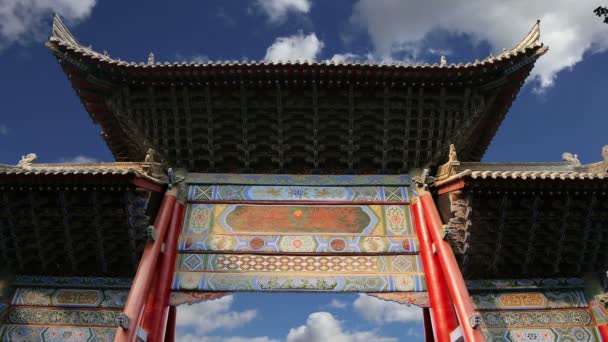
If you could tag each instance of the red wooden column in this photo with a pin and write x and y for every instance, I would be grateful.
(143, 278)
(456, 285)
(157, 307)
(441, 313)
(603, 329)
(170, 332)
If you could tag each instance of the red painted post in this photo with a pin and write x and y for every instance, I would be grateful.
(171, 322)
(155, 316)
(428, 325)
(145, 271)
(603, 329)
(441, 313)
(447, 260)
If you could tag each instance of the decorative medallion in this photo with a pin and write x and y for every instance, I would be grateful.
(338, 245)
(256, 243)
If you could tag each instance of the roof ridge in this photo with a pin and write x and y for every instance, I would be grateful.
(62, 35)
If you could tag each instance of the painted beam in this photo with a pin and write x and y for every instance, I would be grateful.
(298, 243)
(294, 193)
(308, 180)
(311, 281)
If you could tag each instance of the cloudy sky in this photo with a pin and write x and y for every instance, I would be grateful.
(560, 108)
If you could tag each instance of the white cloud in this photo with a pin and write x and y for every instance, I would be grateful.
(344, 57)
(381, 311)
(294, 48)
(211, 315)
(22, 21)
(277, 10)
(337, 304)
(79, 159)
(3, 129)
(322, 327)
(195, 338)
(569, 28)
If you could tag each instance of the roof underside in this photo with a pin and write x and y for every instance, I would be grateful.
(74, 219)
(295, 117)
(526, 219)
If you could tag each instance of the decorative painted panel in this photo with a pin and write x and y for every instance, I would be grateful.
(545, 299)
(266, 281)
(523, 284)
(57, 316)
(298, 193)
(29, 333)
(575, 334)
(72, 282)
(85, 298)
(299, 243)
(533, 318)
(192, 297)
(403, 264)
(309, 219)
(64, 309)
(420, 299)
(314, 180)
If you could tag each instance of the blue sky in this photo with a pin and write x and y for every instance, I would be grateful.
(559, 109)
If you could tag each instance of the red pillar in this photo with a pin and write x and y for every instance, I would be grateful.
(456, 285)
(170, 332)
(428, 325)
(145, 271)
(441, 313)
(603, 329)
(156, 312)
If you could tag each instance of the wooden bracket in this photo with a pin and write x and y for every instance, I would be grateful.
(444, 232)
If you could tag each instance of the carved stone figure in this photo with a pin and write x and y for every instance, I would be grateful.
(571, 159)
(605, 153)
(150, 156)
(452, 157)
(27, 160)
(150, 58)
(444, 61)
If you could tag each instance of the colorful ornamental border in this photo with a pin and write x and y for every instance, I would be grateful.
(193, 297)
(43, 333)
(574, 334)
(295, 193)
(232, 282)
(62, 297)
(58, 316)
(298, 243)
(333, 264)
(273, 179)
(72, 282)
(533, 318)
(419, 299)
(522, 284)
(543, 299)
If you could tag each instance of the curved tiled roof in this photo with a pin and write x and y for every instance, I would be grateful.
(61, 36)
(130, 99)
(455, 170)
(79, 169)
